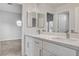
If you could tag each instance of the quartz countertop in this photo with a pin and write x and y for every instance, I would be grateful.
(71, 43)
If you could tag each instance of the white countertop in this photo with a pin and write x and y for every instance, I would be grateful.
(70, 43)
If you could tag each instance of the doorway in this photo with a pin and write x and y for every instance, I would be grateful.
(10, 29)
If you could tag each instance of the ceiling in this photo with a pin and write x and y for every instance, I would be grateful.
(53, 5)
(47, 4)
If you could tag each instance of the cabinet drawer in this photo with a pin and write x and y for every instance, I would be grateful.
(58, 50)
(38, 43)
(47, 53)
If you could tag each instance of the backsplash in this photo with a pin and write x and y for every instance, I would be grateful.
(74, 35)
(54, 33)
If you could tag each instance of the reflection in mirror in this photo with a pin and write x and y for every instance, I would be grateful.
(58, 22)
(41, 20)
(31, 21)
(50, 22)
(63, 22)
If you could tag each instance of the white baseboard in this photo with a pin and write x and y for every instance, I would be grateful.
(10, 39)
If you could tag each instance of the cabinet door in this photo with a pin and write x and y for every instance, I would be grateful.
(58, 50)
(38, 43)
(29, 46)
(37, 51)
(0, 48)
(26, 46)
(33, 47)
(37, 47)
(46, 53)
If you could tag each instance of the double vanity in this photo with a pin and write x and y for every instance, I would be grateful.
(39, 19)
(48, 45)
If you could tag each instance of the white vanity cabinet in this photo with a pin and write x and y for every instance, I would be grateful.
(39, 47)
(33, 46)
(37, 51)
(29, 46)
(47, 53)
(58, 50)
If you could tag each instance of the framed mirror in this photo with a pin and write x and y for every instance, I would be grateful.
(31, 19)
(41, 20)
(58, 22)
(49, 22)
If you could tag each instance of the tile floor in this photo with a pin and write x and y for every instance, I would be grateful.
(10, 48)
